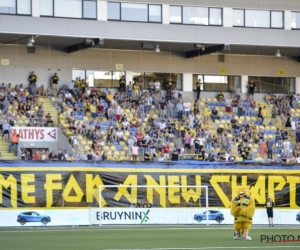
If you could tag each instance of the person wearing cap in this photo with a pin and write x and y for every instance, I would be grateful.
(269, 206)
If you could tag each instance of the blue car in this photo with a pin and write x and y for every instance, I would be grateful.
(298, 217)
(212, 215)
(33, 217)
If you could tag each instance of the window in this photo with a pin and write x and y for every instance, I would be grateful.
(196, 15)
(68, 8)
(98, 78)
(217, 82)
(90, 9)
(24, 7)
(258, 18)
(295, 20)
(46, 7)
(134, 12)
(269, 84)
(113, 11)
(277, 19)
(175, 14)
(163, 78)
(15, 7)
(155, 13)
(215, 16)
(86, 9)
(238, 17)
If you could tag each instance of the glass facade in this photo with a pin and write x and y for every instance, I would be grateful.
(295, 20)
(99, 78)
(258, 18)
(134, 12)
(15, 7)
(196, 15)
(86, 9)
(217, 82)
(269, 84)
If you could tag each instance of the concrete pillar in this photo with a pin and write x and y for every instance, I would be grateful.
(128, 77)
(188, 82)
(35, 8)
(297, 87)
(227, 17)
(102, 10)
(244, 83)
(165, 14)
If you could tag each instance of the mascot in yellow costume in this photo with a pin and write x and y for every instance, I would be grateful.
(242, 208)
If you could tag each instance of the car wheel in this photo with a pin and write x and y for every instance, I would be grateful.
(45, 221)
(199, 219)
(219, 219)
(22, 222)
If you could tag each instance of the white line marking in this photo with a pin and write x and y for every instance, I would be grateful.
(203, 248)
(39, 230)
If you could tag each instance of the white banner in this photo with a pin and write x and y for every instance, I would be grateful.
(36, 133)
(135, 216)
(184, 216)
(42, 217)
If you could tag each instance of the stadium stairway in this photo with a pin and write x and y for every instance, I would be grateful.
(50, 108)
(4, 151)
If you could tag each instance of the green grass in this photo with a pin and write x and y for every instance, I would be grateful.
(140, 237)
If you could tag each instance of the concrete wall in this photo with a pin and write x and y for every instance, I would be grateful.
(47, 61)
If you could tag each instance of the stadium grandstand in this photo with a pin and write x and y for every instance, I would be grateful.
(148, 81)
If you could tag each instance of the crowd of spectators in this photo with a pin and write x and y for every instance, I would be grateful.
(150, 127)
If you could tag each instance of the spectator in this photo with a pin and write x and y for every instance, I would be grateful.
(61, 155)
(14, 142)
(251, 88)
(32, 80)
(179, 108)
(279, 146)
(264, 113)
(228, 105)
(263, 148)
(37, 156)
(147, 156)
(270, 145)
(206, 114)
(90, 156)
(199, 87)
(286, 147)
(175, 155)
(215, 115)
(220, 97)
(162, 107)
(186, 108)
(54, 84)
(166, 149)
(52, 156)
(135, 151)
(157, 87)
